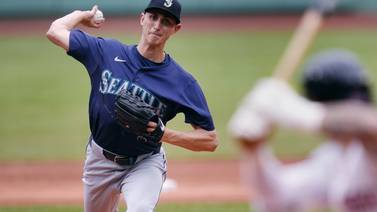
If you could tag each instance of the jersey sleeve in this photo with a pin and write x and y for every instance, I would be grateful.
(85, 48)
(197, 112)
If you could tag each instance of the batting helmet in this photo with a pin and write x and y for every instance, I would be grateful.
(335, 75)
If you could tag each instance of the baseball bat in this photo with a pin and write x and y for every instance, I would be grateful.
(302, 38)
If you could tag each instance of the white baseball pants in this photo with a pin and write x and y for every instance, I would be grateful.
(105, 180)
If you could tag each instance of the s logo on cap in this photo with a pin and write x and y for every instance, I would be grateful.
(168, 3)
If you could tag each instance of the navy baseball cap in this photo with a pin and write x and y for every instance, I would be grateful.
(169, 7)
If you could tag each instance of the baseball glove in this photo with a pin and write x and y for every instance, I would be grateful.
(133, 114)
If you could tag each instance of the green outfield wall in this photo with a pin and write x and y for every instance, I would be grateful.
(46, 8)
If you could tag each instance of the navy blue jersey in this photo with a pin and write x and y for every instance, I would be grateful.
(113, 66)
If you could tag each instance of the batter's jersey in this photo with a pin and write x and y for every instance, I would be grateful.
(112, 67)
(342, 178)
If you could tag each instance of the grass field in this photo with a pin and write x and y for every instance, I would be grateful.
(241, 207)
(44, 92)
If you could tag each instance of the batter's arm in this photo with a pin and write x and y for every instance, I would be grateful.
(196, 140)
(352, 119)
(59, 30)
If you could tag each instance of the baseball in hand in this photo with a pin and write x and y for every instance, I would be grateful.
(98, 17)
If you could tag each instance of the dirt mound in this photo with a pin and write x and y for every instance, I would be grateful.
(60, 182)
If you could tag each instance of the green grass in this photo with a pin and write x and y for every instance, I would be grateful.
(44, 93)
(208, 207)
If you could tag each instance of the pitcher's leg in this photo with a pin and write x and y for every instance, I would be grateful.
(101, 180)
(142, 186)
(100, 199)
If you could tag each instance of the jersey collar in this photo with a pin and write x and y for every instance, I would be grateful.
(145, 63)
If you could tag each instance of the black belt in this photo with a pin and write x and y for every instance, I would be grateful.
(121, 159)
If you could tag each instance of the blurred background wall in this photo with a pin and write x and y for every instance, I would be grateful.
(47, 8)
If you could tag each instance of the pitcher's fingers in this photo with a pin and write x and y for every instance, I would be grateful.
(94, 10)
(98, 24)
(152, 124)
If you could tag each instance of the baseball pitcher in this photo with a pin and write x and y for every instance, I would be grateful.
(135, 91)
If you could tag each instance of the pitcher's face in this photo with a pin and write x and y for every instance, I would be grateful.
(157, 27)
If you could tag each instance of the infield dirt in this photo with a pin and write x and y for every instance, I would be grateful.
(60, 182)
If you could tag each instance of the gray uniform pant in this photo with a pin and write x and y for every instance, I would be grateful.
(105, 180)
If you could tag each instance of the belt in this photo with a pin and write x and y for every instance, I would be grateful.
(120, 159)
